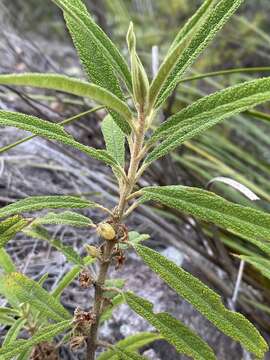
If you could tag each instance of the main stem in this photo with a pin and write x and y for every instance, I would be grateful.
(125, 191)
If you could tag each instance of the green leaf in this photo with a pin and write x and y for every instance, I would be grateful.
(14, 331)
(127, 355)
(198, 42)
(9, 311)
(26, 290)
(66, 281)
(10, 227)
(249, 223)
(36, 203)
(108, 312)
(6, 262)
(38, 232)
(66, 218)
(78, 11)
(6, 319)
(207, 112)
(135, 238)
(177, 48)
(51, 131)
(131, 343)
(181, 337)
(69, 277)
(263, 265)
(193, 22)
(71, 86)
(97, 53)
(114, 139)
(205, 301)
(46, 334)
(25, 355)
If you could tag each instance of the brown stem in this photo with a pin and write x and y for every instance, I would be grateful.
(137, 144)
(104, 267)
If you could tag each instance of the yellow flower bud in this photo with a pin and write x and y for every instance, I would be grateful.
(106, 231)
(92, 251)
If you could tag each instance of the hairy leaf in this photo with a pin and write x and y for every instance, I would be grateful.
(71, 86)
(66, 218)
(26, 290)
(114, 303)
(206, 112)
(177, 48)
(263, 265)
(131, 343)
(70, 276)
(97, 53)
(77, 10)
(35, 203)
(6, 319)
(38, 232)
(6, 262)
(206, 301)
(135, 238)
(51, 131)
(114, 139)
(14, 331)
(10, 227)
(193, 22)
(46, 334)
(249, 223)
(127, 355)
(198, 42)
(181, 337)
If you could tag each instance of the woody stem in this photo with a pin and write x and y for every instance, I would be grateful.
(125, 191)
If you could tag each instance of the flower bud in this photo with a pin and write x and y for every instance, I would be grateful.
(92, 251)
(106, 231)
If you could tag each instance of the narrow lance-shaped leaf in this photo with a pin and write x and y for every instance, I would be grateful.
(199, 41)
(66, 218)
(26, 290)
(70, 276)
(71, 86)
(130, 343)
(263, 265)
(76, 9)
(6, 262)
(14, 331)
(181, 337)
(206, 112)
(127, 355)
(6, 320)
(10, 227)
(46, 334)
(193, 22)
(38, 232)
(36, 203)
(51, 131)
(177, 48)
(97, 53)
(249, 223)
(206, 301)
(114, 139)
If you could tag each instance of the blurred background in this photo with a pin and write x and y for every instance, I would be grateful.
(33, 37)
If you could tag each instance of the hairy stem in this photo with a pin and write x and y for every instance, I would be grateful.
(104, 267)
(125, 190)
